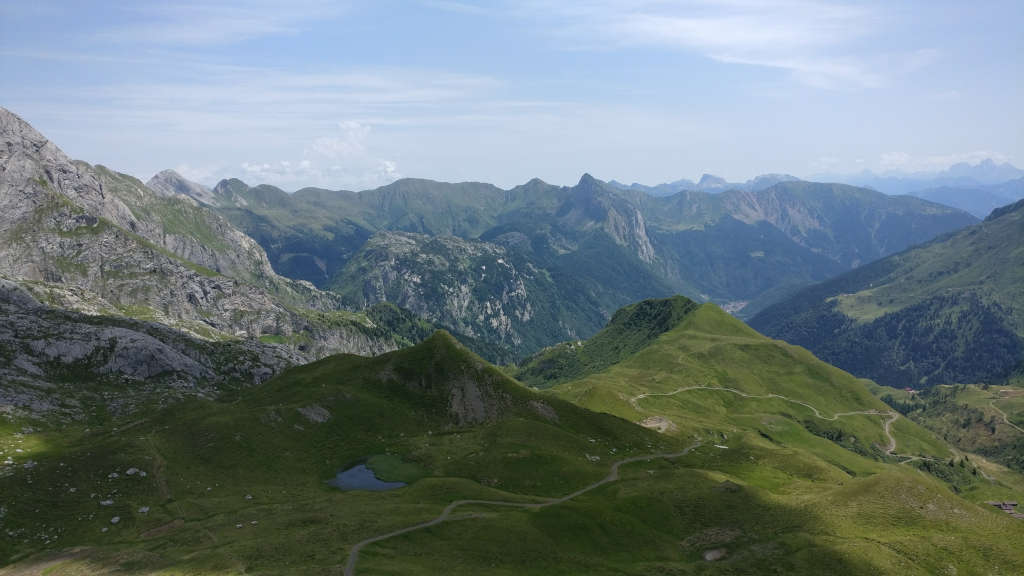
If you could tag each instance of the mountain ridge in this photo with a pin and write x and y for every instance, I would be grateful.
(741, 249)
(945, 312)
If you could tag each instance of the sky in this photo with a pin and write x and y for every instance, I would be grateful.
(353, 95)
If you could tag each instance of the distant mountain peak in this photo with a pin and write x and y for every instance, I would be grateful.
(711, 181)
(171, 183)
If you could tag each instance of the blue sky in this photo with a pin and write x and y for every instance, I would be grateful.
(355, 94)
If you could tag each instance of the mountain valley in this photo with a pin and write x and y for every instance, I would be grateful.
(187, 372)
(945, 312)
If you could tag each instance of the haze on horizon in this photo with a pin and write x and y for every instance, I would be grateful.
(356, 94)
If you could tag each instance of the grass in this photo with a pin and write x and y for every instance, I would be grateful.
(240, 486)
(630, 330)
(391, 468)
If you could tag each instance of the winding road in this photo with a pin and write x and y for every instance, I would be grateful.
(446, 514)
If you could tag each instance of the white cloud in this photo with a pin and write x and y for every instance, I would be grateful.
(813, 40)
(334, 161)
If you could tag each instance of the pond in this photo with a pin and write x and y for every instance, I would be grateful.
(360, 477)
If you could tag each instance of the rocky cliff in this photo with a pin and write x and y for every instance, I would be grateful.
(93, 240)
(57, 362)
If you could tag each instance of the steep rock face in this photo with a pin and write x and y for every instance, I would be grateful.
(37, 176)
(472, 286)
(589, 204)
(97, 241)
(187, 230)
(47, 349)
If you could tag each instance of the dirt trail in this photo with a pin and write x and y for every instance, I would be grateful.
(835, 416)
(887, 425)
(446, 514)
(1006, 419)
(888, 432)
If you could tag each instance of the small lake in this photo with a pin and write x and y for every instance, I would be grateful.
(360, 477)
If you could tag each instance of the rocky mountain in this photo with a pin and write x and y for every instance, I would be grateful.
(89, 239)
(601, 246)
(949, 311)
(65, 364)
(748, 249)
(170, 183)
(485, 290)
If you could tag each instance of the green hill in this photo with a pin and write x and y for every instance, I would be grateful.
(808, 433)
(949, 311)
(505, 480)
(630, 330)
(434, 413)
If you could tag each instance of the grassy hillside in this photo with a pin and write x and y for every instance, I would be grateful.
(810, 434)
(239, 485)
(460, 427)
(945, 312)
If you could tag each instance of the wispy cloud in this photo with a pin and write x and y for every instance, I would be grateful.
(215, 22)
(810, 39)
(213, 96)
(289, 128)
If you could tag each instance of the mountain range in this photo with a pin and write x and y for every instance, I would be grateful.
(707, 183)
(979, 200)
(170, 403)
(987, 172)
(975, 188)
(538, 263)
